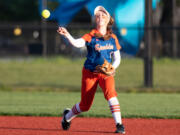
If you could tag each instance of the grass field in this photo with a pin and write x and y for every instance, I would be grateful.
(63, 73)
(133, 105)
(44, 87)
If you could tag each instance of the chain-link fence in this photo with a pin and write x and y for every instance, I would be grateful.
(24, 39)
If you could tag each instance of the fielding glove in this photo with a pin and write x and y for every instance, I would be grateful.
(106, 68)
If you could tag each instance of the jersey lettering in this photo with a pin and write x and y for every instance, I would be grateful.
(107, 47)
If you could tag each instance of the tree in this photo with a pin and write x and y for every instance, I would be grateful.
(19, 10)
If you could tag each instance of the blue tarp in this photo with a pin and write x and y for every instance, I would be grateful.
(129, 15)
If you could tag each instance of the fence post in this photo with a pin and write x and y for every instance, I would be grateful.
(44, 30)
(174, 31)
(148, 79)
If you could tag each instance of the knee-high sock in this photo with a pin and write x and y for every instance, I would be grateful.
(73, 112)
(115, 109)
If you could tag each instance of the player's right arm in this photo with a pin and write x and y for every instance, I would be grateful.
(80, 42)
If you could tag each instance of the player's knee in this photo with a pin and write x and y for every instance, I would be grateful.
(110, 95)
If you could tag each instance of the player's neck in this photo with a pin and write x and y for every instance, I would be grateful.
(102, 30)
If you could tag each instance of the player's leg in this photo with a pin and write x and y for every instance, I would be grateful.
(115, 109)
(72, 113)
(88, 89)
(108, 86)
(116, 113)
(68, 115)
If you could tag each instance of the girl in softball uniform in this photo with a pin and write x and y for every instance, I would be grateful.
(101, 44)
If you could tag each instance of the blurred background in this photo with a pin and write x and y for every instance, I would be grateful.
(32, 53)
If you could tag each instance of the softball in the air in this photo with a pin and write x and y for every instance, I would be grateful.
(46, 13)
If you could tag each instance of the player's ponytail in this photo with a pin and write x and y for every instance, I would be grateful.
(109, 29)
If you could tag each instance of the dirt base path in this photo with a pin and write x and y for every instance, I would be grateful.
(11, 125)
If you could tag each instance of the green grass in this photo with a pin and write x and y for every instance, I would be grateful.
(167, 73)
(134, 105)
(38, 87)
(64, 73)
(39, 72)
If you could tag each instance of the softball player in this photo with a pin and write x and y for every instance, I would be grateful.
(101, 44)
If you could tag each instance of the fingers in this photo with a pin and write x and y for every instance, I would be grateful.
(62, 31)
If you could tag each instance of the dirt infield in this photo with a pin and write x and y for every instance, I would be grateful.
(11, 125)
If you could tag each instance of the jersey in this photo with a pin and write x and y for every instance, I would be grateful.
(99, 49)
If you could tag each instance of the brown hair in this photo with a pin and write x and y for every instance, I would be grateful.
(109, 29)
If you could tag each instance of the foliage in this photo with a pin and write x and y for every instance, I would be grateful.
(19, 10)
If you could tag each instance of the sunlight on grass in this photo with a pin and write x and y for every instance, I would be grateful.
(61, 72)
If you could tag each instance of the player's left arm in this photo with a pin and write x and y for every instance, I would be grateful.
(116, 59)
(116, 53)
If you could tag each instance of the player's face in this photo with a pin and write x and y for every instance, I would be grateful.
(101, 19)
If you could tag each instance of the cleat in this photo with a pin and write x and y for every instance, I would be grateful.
(65, 125)
(120, 129)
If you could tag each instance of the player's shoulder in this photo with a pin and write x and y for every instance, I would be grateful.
(87, 37)
(113, 36)
(93, 32)
(116, 41)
